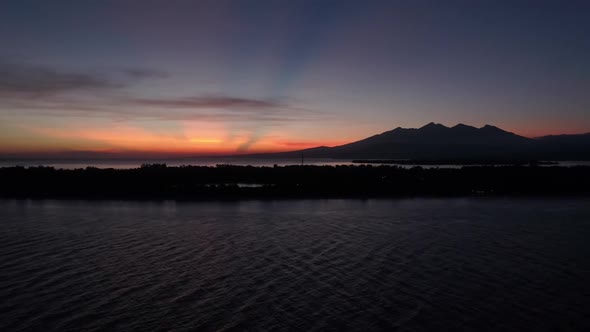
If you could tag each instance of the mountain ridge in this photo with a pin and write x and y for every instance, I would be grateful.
(437, 141)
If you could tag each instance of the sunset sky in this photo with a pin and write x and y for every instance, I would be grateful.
(210, 77)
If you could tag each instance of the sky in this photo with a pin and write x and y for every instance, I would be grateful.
(226, 77)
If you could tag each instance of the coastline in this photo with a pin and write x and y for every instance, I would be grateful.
(226, 182)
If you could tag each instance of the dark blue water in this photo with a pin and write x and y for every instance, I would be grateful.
(424, 264)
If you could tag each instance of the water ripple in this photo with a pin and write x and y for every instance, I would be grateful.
(358, 265)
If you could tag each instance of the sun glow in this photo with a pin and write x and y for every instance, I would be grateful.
(205, 140)
(130, 139)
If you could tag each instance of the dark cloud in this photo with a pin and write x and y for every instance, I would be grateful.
(49, 91)
(266, 113)
(221, 102)
(253, 139)
(27, 81)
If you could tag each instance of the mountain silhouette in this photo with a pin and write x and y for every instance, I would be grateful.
(436, 141)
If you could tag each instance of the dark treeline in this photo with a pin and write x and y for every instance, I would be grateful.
(224, 181)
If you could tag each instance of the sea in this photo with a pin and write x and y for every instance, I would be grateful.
(464, 264)
(135, 163)
(214, 161)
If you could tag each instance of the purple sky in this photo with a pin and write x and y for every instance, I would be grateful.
(244, 76)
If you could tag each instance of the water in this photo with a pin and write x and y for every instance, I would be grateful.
(135, 163)
(240, 161)
(409, 265)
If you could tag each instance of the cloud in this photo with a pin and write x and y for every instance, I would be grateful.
(33, 81)
(122, 112)
(36, 90)
(25, 81)
(250, 114)
(52, 91)
(253, 139)
(220, 102)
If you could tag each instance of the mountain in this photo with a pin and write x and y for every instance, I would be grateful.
(566, 139)
(436, 141)
(564, 147)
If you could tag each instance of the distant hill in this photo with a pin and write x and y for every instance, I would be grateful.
(436, 141)
(564, 147)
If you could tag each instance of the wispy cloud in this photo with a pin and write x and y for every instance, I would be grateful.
(53, 92)
(258, 113)
(197, 108)
(25, 81)
(33, 81)
(219, 102)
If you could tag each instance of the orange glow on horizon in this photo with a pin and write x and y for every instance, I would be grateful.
(124, 139)
(188, 138)
(205, 140)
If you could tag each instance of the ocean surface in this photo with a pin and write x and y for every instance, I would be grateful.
(130, 163)
(135, 163)
(298, 265)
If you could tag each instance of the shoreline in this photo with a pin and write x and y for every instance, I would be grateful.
(226, 182)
